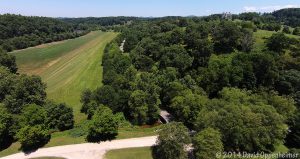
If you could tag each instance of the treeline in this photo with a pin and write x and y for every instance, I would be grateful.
(206, 74)
(100, 23)
(19, 32)
(267, 21)
(25, 113)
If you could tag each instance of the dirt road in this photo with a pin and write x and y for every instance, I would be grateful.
(87, 150)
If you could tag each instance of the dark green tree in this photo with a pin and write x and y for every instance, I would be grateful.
(286, 30)
(226, 37)
(103, 126)
(278, 42)
(296, 31)
(33, 115)
(207, 143)
(59, 116)
(27, 90)
(33, 137)
(143, 107)
(8, 61)
(6, 134)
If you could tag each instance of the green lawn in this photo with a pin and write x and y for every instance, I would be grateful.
(67, 67)
(132, 153)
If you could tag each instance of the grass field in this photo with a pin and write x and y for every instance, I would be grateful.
(132, 153)
(262, 35)
(67, 67)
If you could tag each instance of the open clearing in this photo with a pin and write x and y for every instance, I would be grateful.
(67, 67)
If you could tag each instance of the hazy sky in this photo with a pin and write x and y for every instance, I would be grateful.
(97, 8)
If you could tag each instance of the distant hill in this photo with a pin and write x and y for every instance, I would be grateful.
(290, 16)
(19, 32)
(102, 21)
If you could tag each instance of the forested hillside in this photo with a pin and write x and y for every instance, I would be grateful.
(290, 16)
(19, 32)
(100, 23)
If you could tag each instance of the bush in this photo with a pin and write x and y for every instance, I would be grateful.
(59, 116)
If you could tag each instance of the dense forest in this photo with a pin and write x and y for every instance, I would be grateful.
(19, 32)
(208, 74)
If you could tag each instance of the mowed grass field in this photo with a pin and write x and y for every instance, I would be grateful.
(67, 67)
(131, 153)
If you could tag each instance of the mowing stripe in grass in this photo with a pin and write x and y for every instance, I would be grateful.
(67, 67)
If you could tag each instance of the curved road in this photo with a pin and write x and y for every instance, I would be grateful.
(87, 150)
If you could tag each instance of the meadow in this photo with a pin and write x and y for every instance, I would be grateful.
(67, 67)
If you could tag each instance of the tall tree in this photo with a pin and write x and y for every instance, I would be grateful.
(207, 144)
(103, 126)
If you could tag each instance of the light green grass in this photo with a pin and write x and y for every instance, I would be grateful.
(67, 67)
(132, 153)
(262, 35)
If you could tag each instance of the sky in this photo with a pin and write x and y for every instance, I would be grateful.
(140, 8)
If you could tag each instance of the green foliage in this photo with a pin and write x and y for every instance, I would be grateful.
(6, 134)
(33, 115)
(207, 144)
(247, 122)
(296, 31)
(106, 95)
(19, 32)
(293, 138)
(171, 141)
(27, 90)
(288, 82)
(278, 43)
(143, 107)
(290, 16)
(33, 137)
(85, 99)
(185, 107)
(238, 70)
(247, 41)
(7, 82)
(8, 61)
(286, 30)
(103, 126)
(59, 116)
(176, 56)
(226, 37)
